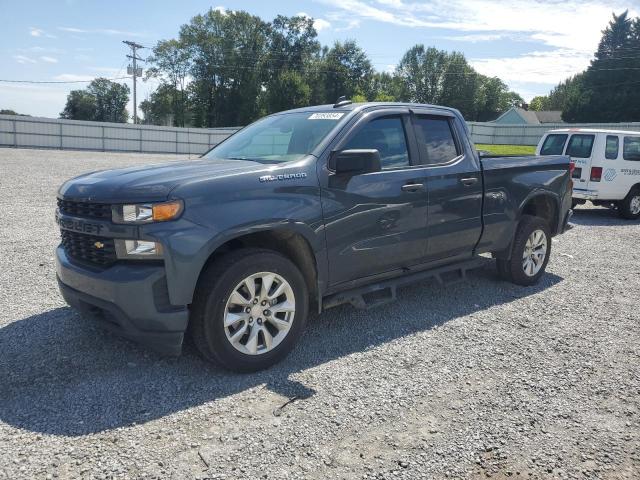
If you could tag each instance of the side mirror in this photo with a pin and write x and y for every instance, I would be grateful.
(354, 162)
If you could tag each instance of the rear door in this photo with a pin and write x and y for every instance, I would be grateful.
(580, 149)
(454, 185)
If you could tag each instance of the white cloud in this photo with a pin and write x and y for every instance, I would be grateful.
(73, 77)
(24, 59)
(536, 67)
(319, 23)
(220, 9)
(101, 31)
(47, 59)
(38, 32)
(567, 32)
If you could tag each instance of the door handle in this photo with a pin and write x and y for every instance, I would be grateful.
(467, 182)
(413, 187)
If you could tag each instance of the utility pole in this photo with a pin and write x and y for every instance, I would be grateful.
(136, 73)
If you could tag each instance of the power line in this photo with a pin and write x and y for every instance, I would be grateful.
(58, 81)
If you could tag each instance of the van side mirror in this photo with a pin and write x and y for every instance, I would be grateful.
(354, 162)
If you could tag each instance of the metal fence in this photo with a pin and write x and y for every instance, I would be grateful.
(496, 134)
(34, 132)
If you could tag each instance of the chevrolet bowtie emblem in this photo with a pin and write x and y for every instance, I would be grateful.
(98, 245)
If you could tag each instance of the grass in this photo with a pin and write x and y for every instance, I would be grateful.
(507, 149)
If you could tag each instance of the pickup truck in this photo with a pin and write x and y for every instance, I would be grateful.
(310, 207)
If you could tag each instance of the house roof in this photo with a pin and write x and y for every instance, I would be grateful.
(533, 117)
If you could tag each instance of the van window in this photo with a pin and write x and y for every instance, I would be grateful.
(580, 146)
(611, 149)
(553, 145)
(631, 149)
(435, 139)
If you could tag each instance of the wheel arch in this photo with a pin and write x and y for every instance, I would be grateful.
(545, 205)
(289, 241)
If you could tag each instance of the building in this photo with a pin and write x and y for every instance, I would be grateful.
(520, 116)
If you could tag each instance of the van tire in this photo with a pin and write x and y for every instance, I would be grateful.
(512, 269)
(629, 207)
(216, 286)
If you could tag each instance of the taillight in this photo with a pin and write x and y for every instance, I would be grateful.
(572, 167)
(596, 174)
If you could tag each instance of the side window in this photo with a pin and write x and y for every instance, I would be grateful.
(553, 144)
(386, 135)
(631, 149)
(580, 146)
(611, 149)
(435, 139)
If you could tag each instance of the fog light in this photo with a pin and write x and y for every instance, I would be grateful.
(138, 249)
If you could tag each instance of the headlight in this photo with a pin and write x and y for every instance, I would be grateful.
(138, 250)
(147, 212)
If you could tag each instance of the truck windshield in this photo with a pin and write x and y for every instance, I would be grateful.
(279, 138)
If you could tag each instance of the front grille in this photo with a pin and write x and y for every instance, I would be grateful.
(85, 209)
(91, 249)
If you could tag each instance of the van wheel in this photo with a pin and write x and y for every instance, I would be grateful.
(530, 254)
(629, 208)
(250, 308)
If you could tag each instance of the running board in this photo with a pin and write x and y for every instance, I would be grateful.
(376, 294)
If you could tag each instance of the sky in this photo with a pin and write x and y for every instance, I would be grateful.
(530, 44)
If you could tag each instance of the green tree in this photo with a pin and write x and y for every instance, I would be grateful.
(226, 49)
(608, 91)
(111, 100)
(345, 70)
(159, 108)
(420, 74)
(539, 103)
(170, 62)
(81, 105)
(291, 53)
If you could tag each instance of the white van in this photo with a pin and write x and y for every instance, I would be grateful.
(607, 165)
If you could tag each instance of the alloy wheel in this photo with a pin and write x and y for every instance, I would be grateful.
(259, 313)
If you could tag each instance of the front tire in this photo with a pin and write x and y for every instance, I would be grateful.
(530, 253)
(249, 309)
(629, 207)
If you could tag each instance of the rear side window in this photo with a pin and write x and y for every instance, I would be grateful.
(611, 149)
(553, 145)
(580, 146)
(631, 149)
(386, 135)
(435, 139)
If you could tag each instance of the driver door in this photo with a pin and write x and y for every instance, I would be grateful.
(375, 223)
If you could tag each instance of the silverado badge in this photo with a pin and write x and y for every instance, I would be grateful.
(98, 245)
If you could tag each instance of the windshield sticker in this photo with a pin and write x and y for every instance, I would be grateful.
(326, 116)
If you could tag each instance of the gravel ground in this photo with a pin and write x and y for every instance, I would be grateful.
(477, 379)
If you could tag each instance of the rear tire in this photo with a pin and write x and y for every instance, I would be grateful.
(629, 207)
(530, 253)
(247, 330)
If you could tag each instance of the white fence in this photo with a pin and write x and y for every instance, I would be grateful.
(496, 134)
(34, 132)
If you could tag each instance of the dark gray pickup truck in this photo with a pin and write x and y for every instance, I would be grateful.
(316, 206)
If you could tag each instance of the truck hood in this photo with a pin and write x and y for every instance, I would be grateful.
(148, 183)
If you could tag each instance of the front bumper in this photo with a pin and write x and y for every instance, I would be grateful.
(131, 300)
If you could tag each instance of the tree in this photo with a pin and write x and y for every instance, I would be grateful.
(225, 49)
(420, 74)
(608, 91)
(170, 63)
(111, 100)
(81, 105)
(539, 103)
(345, 70)
(159, 108)
(291, 52)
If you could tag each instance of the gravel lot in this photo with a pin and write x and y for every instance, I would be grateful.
(477, 379)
